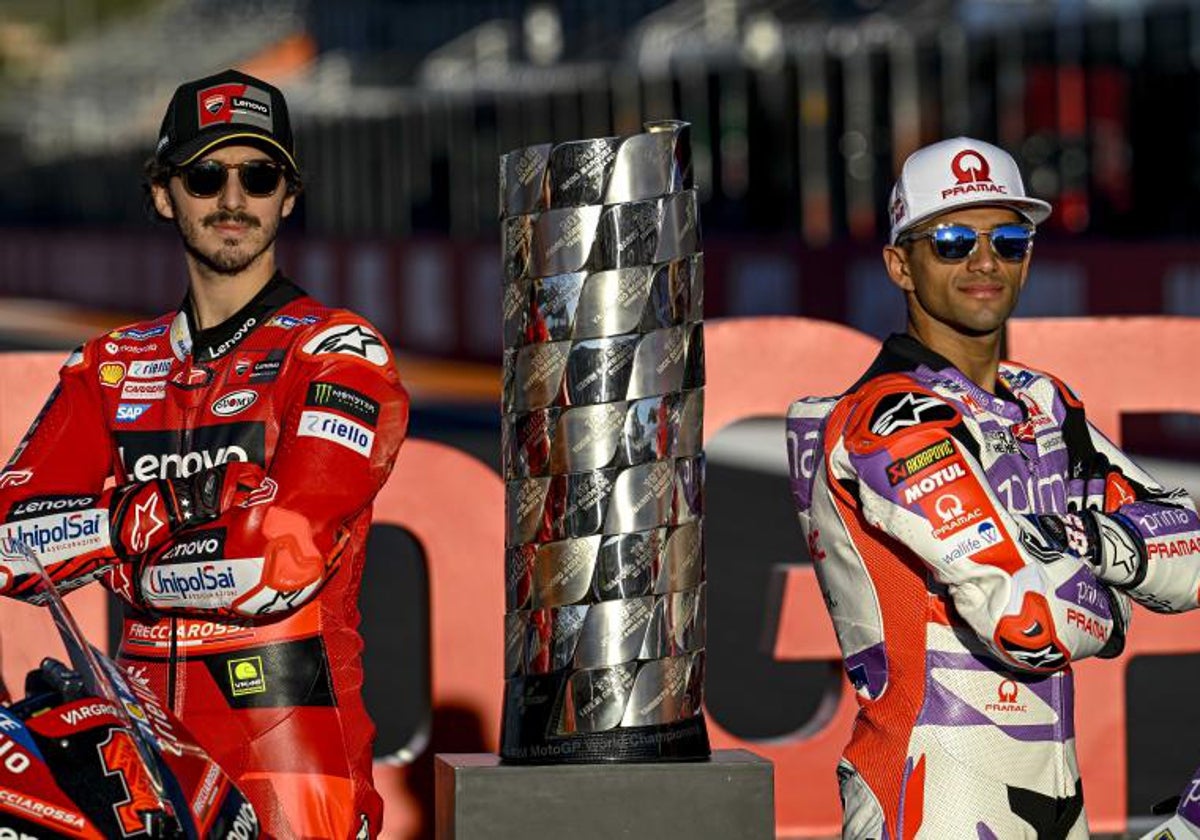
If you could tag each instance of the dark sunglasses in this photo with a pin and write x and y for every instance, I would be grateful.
(952, 243)
(260, 178)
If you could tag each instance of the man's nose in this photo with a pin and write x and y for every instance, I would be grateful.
(982, 258)
(232, 197)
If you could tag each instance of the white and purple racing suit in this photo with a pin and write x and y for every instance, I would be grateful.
(969, 547)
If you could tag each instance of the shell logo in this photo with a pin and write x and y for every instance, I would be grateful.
(111, 373)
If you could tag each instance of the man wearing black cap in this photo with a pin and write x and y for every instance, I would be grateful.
(972, 533)
(247, 434)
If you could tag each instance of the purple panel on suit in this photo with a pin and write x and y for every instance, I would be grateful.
(1153, 520)
(804, 440)
(985, 833)
(1189, 802)
(868, 669)
(1083, 591)
(945, 708)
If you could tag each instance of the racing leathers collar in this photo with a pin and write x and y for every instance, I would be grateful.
(210, 344)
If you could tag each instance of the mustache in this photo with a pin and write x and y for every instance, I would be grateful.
(237, 217)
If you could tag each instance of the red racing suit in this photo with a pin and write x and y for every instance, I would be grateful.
(244, 620)
(969, 546)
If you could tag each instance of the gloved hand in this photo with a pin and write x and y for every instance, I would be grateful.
(144, 515)
(1116, 553)
(1104, 487)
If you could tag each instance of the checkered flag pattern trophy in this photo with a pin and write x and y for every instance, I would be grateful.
(603, 406)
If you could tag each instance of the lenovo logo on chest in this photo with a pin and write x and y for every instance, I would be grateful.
(150, 455)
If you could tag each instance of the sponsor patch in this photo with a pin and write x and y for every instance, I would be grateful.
(129, 412)
(917, 489)
(343, 399)
(349, 340)
(287, 322)
(1021, 379)
(246, 676)
(1000, 442)
(15, 478)
(112, 348)
(149, 455)
(953, 514)
(150, 390)
(192, 378)
(235, 402)
(208, 584)
(900, 411)
(41, 505)
(139, 335)
(111, 374)
(338, 429)
(970, 542)
(1167, 548)
(904, 468)
(207, 544)
(149, 368)
(56, 537)
(251, 367)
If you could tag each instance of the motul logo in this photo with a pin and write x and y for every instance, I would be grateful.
(932, 482)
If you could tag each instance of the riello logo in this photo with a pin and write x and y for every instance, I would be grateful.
(972, 175)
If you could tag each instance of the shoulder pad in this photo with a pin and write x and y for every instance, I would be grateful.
(892, 412)
(811, 408)
(350, 336)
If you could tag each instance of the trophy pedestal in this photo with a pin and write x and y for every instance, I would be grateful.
(729, 797)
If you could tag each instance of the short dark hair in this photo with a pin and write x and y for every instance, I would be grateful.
(157, 173)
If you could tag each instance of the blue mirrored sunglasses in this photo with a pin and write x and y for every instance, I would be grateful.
(952, 243)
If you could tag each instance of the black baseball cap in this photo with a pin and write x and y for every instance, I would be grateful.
(230, 107)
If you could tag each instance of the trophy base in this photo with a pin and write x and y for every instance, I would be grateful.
(685, 740)
(729, 797)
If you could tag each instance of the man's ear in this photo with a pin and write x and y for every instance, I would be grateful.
(162, 201)
(895, 259)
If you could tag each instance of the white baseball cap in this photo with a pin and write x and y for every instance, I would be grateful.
(958, 173)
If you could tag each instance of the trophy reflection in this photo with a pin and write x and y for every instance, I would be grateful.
(603, 407)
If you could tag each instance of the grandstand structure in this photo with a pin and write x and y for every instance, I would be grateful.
(801, 112)
(801, 108)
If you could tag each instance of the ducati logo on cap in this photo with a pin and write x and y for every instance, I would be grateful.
(234, 103)
(973, 174)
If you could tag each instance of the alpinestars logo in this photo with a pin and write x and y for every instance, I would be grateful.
(896, 412)
(973, 174)
(353, 340)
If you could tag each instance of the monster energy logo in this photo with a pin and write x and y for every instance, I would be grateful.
(343, 399)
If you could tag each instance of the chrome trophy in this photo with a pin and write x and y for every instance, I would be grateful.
(603, 405)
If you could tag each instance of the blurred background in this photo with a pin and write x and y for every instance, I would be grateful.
(802, 111)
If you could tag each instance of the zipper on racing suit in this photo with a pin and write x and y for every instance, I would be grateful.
(185, 444)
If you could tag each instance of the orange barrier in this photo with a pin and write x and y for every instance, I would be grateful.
(755, 368)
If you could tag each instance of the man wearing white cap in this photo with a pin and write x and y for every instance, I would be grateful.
(972, 533)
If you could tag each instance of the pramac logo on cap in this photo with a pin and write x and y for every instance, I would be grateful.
(973, 174)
